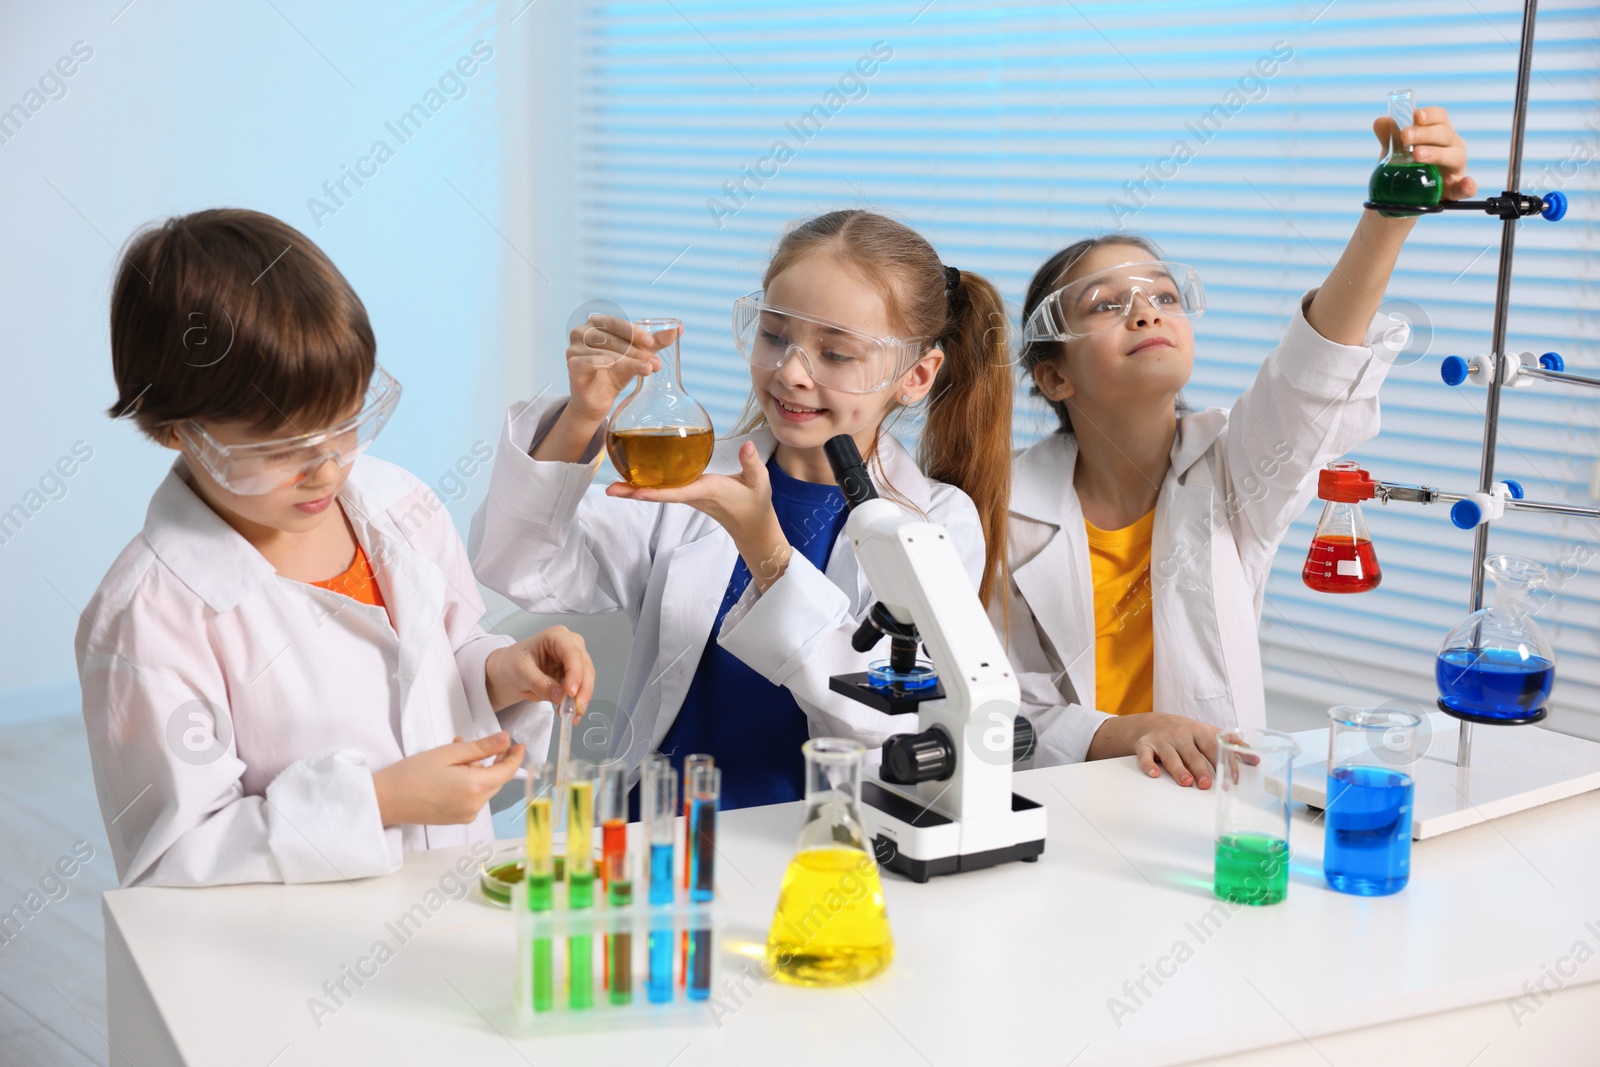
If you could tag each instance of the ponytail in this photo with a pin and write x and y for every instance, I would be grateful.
(966, 439)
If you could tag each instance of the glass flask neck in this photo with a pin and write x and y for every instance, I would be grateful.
(670, 377)
(833, 793)
(1343, 519)
(1514, 580)
(1402, 112)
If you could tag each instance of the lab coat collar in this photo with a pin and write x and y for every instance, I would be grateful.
(1042, 470)
(223, 569)
(199, 547)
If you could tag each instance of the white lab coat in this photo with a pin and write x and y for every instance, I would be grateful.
(1236, 481)
(235, 716)
(552, 543)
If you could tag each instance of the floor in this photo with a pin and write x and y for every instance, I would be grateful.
(52, 965)
(52, 969)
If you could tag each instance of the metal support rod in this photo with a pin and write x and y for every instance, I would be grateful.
(1390, 492)
(1566, 377)
(1497, 348)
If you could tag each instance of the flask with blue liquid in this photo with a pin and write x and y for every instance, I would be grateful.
(1497, 666)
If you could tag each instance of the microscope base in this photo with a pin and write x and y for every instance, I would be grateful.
(912, 839)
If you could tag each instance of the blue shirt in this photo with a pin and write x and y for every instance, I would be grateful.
(752, 728)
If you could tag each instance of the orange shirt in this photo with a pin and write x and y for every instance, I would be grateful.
(357, 582)
(1124, 635)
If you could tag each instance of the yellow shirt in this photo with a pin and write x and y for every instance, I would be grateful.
(1124, 638)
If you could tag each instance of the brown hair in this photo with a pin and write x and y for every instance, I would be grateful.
(235, 316)
(966, 436)
(1046, 280)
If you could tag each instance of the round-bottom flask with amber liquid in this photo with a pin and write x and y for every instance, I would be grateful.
(660, 437)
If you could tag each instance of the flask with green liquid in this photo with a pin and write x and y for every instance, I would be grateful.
(1400, 179)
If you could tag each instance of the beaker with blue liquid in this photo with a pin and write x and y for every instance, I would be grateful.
(1496, 666)
(1371, 753)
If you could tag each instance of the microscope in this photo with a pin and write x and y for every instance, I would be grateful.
(943, 801)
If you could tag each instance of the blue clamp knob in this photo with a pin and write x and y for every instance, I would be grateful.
(1552, 361)
(1466, 514)
(1555, 205)
(1453, 370)
(1515, 488)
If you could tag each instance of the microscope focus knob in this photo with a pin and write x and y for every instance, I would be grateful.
(1023, 739)
(926, 757)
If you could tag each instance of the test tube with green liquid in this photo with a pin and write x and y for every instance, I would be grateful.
(580, 881)
(540, 867)
(566, 714)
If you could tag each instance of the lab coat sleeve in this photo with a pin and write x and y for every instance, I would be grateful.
(526, 721)
(1312, 401)
(1062, 727)
(547, 539)
(797, 633)
(169, 778)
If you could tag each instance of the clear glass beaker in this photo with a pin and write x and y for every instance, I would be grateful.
(1400, 179)
(1341, 559)
(831, 926)
(660, 437)
(1367, 847)
(1252, 841)
(1496, 665)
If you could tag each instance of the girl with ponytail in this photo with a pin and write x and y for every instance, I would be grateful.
(742, 592)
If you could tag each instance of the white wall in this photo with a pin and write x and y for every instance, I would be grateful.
(254, 104)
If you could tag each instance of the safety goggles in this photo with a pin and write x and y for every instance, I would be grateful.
(1106, 298)
(265, 466)
(836, 356)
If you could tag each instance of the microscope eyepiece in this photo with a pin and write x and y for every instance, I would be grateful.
(848, 469)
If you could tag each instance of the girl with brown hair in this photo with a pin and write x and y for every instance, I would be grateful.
(741, 590)
(1142, 533)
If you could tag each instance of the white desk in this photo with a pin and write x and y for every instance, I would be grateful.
(1009, 966)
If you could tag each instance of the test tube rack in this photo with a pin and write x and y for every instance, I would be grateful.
(561, 926)
(1524, 768)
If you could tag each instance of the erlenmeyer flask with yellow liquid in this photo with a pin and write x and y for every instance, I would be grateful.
(660, 437)
(831, 927)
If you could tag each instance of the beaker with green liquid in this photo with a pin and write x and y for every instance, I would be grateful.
(1400, 179)
(1252, 840)
(831, 927)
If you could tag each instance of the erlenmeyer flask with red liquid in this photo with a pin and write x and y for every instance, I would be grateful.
(1342, 559)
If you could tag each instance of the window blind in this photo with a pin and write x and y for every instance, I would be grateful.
(1234, 134)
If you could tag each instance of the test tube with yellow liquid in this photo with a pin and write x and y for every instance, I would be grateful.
(831, 926)
(540, 876)
(580, 881)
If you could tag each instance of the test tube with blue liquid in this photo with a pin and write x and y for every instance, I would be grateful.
(1371, 751)
(659, 797)
(692, 765)
(702, 794)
